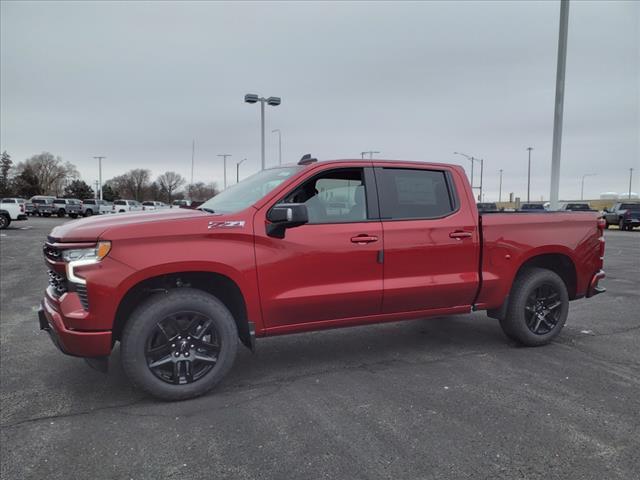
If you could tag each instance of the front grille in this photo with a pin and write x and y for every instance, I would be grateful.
(58, 282)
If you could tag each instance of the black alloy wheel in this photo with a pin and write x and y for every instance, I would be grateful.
(182, 348)
(4, 221)
(542, 309)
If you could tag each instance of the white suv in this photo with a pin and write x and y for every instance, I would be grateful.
(154, 205)
(121, 206)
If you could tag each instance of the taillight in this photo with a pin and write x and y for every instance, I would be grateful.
(22, 208)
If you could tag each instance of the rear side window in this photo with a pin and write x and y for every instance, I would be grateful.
(410, 193)
(120, 202)
(59, 202)
(8, 200)
(89, 202)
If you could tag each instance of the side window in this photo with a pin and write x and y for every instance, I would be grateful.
(408, 193)
(337, 196)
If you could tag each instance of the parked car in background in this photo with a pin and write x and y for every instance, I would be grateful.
(122, 206)
(150, 205)
(267, 257)
(95, 206)
(67, 206)
(624, 214)
(40, 205)
(487, 207)
(11, 209)
(532, 207)
(577, 207)
(181, 204)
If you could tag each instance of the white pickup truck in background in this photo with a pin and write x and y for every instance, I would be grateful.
(11, 209)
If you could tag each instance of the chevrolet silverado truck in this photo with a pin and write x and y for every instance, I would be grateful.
(11, 209)
(303, 247)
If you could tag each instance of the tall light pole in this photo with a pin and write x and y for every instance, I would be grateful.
(279, 145)
(193, 156)
(224, 156)
(630, 178)
(472, 159)
(559, 105)
(238, 169)
(368, 152)
(500, 188)
(481, 170)
(100, 158)
(529, 176)
(582, 184)
(274, 102)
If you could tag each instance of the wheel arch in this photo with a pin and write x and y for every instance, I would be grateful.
(221, 286)
(559, 263)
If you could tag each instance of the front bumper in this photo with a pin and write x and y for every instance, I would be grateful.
(72, 342)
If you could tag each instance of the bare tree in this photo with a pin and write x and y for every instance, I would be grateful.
(170, 182)
(132, 185)
(52, 173)
(201, 192)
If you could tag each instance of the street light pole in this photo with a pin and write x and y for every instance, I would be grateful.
(272, 101)
(529, 176)
(630, 178)
(559, 104)
(368, 152)
(500, 188)
(224, 156)
(238, 170)
(472, 160)
(193, 155)
(481, 170)
(100, 158)
(279, 145)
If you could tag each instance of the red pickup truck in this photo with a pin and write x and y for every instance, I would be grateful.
(305, 247)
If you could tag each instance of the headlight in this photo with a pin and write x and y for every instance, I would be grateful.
(84, 256)
(96, 253)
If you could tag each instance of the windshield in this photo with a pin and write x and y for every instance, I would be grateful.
(248, 191)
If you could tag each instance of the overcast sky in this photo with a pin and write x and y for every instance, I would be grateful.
(138, 81)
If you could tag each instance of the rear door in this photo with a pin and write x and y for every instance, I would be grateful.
(431, 247)
(328, 269)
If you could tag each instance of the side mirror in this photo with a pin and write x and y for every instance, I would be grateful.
(286, 215)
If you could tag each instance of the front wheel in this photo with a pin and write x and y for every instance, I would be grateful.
(538, 308)
(60, 213)
(180, 344)
(88, 213)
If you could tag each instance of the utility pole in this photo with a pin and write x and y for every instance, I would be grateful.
(559, 104)
(238, 169)
(630, 178)
(100, 158)
(224, 156)
(193, 156)
(529, 176)
(500, 188)
(279, 145)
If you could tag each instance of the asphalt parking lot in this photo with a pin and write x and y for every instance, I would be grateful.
(435, 398)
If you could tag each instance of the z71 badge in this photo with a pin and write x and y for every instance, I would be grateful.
(227, 224)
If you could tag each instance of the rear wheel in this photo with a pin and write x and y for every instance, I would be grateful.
(179, 345)
(88, 212)
(73, 215)
(61, 213)
(5, 220)
(538, 308)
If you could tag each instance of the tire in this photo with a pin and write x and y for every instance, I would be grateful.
(47, 215)
(521, 322)
(60, 213)
(621, 225)
(5, 221)
(88, 213)
(73, 215)
(142, 333)
(121, 211)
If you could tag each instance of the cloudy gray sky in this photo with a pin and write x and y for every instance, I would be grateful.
(138, 81)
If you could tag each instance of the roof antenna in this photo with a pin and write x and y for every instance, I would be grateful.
(307, 160)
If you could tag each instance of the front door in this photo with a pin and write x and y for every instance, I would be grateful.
(328, 269)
